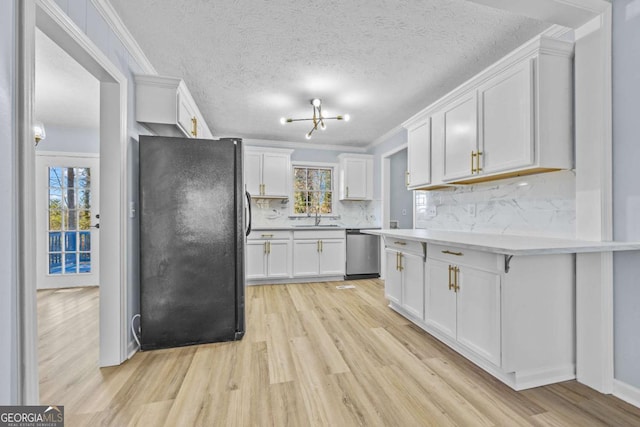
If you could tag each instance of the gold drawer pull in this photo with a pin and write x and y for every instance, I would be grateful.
(400, 243)
(452, 253)
(267, 235)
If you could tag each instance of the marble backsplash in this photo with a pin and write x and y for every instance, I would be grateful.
(536, 205)
(350, 214)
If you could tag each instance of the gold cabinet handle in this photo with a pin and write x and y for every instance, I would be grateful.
(267, 235)
(347, 190)
(456, 270)
(400, 267)
(400, 243)
(264, 248)
(473, 156)
(478, 168)
(318, 246)
(453, 253)
(268, 247)
(407, 178)
(321, 246)
(194, 126)
(450, 278)
(397, 263)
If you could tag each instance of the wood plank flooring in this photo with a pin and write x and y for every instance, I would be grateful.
(313, 355)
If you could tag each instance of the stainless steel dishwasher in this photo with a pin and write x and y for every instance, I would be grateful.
(363, 255)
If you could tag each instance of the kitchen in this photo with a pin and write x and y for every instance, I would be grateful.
(365, 211)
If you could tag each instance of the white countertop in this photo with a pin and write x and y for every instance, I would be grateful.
(300, 227)
(506, 244)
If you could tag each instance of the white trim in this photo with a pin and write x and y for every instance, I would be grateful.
(626, 392)
(592, 26)
(315, 165)
(249, 142)
(67, 154)
(114, 22)
(385, 137)
(113, 132)
(556, 31)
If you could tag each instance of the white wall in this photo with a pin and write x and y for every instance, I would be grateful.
(401, 208)
(70, 140)
(626, 193)
(391, 142)
(8, 161)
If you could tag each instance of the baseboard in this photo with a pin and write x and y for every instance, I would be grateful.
(626, 392)
(295, 280)
(132, 348)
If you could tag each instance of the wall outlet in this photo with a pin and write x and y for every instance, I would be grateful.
(471, 209)
(431, 211)
(404, 212)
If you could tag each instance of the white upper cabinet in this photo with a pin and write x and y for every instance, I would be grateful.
(356, 176)
(419, 154)
(460, 136)
(514, 118)
(165, 106)
(267, 172)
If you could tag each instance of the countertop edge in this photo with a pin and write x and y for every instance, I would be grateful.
(556, 246)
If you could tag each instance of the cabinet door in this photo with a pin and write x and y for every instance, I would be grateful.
(460, 136)
(332, 255)
(440, 301)
(413, 284)
(419, 155)
(256, 267)
(355, 179)
(252, 172)
(393, 278)
(506, 125)
(185, 116)
(278, 259)
(276, 174)
(306, 258)
(478, 320)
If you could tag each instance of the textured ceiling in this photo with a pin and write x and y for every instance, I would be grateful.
(65, 93)
(250, 62)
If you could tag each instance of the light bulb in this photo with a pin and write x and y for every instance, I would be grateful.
(322, 126)
(283, 120)
(346, 117)
(308, 136)
(316, 102)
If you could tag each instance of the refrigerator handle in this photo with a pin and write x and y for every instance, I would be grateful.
(248, 207)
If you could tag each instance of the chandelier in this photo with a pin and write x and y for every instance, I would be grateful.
(318, 119)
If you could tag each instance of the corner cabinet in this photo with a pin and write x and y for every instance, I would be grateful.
(267, 172)
(356, 176)
(165, 106)
(514, 118)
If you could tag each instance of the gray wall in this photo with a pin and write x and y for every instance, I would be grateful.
(626, 188)
(70, 140)
(8, 281)
(400, 198)
(391, 142)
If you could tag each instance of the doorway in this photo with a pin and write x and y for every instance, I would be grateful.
(113, 338)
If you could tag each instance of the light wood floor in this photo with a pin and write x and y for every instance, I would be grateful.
(312, 355)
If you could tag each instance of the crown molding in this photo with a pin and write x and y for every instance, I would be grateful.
(385, 137)
(122, 32)
(300, 145)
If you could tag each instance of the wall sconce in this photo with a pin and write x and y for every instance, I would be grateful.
(38, 132)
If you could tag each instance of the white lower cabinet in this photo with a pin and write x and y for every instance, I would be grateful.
(511, 316)
(404, 281)
(318, 253)
(464, 304)
(268, 257)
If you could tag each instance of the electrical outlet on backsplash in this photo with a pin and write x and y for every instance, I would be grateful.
(538, 205)
(351, 214)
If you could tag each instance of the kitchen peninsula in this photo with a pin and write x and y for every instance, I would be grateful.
(506, 302)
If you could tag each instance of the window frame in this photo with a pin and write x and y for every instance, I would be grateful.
(313, 165)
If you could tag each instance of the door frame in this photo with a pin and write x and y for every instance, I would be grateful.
(385, 188)
(45, 159)
(50, 19)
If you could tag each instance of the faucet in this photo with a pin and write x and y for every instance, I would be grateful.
(318, 218)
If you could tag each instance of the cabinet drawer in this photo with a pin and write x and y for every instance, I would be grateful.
(318, 235)
(455, 255)
(269, 235)
(407, 246)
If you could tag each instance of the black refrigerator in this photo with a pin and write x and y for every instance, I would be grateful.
(192, 234)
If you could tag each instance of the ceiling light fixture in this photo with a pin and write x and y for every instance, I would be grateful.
(318, 119)
(38, 132)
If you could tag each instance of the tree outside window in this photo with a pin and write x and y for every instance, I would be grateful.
(312, 188)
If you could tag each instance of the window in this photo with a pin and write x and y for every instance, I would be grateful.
(312, 189)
